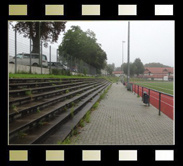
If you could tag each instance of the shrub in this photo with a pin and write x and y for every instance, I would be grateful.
(72, 112)
(81, 123)
(61, 72)
(87, 117)
(95, 105)
(56, 72)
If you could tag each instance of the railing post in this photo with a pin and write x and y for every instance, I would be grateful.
(149, 97)
(159, 103)
(142, 92)
(136, 89)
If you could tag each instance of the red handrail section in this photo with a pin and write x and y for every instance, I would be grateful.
(162, 102)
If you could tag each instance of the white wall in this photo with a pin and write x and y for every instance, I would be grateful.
(158, 79)
(165, 78)
(37, 70)
(117, 75)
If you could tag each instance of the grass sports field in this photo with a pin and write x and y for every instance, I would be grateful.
(165, 87)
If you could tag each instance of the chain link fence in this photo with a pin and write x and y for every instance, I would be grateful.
(24, 61)
(76, 65)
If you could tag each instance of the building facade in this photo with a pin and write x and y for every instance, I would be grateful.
(158, 73)
(117, 73)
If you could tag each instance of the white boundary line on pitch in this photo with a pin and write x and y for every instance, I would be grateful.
(157, 87)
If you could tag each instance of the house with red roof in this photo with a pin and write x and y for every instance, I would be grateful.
(117, 73)
(158, 73)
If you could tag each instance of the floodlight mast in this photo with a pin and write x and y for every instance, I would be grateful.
(122, 66)
(128, 75)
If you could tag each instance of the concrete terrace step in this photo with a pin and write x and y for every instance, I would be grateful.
(35, 104)
(29, 122)
(48, 92)
(40, 133)
(22, 91)
(18, 86)
(63, 131)
(35, 116)
(34, 84)
(29, 80)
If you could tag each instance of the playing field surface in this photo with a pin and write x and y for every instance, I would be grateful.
(166, 87)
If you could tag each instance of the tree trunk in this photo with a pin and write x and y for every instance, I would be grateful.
(36, 45)
(36, 41)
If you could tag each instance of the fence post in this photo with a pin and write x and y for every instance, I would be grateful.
(149, 97)
(41, 57)
(159, 103)
(15, 50)
(71, 65)
(50, 60)
(30, 57)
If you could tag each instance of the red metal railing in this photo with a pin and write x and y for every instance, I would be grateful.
(162, 101)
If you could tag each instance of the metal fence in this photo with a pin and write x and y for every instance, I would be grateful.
(76, 65)
(19, 44)
(162, 101)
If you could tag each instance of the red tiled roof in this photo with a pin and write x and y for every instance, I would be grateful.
(154, 76)
(117, 72)
(158, 70)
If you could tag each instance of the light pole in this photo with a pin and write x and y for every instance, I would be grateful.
(128, 75)
(122, 60)
(68, 64)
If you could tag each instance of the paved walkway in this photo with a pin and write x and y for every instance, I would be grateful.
(122, 119)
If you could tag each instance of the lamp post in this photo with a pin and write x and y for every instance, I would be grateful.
(122, 60)
(68, 65)
(128, 75)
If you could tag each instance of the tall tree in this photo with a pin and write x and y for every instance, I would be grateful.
(138, 66)
(125, 68)
(83, 46)
(49, 32)
(110, 68)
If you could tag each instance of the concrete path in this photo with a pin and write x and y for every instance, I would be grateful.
(122, 119)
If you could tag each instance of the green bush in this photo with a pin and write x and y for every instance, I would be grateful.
(61, 72)
(56, 72)
(68, 73)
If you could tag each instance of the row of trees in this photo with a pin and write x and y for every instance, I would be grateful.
(136, 67)
(76, 43)
(155, 64)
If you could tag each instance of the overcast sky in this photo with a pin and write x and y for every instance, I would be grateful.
(151, 41)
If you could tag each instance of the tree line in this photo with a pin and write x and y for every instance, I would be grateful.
(137, 67)
(76, 43)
